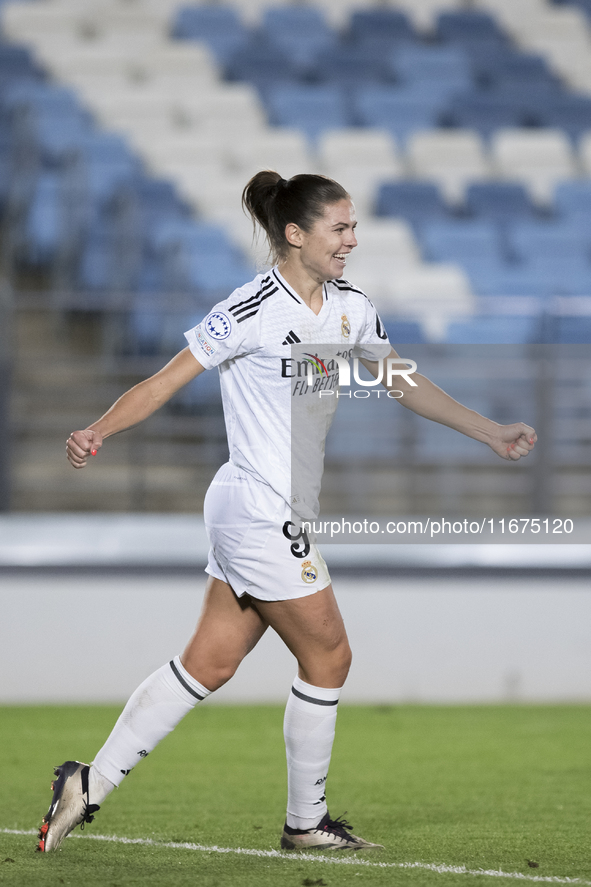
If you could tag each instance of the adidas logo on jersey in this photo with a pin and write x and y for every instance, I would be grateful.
(291, 339)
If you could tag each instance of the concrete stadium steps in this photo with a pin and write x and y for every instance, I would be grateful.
(54, 396)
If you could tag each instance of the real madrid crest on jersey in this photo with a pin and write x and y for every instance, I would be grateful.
(309, 572)
(345, 326)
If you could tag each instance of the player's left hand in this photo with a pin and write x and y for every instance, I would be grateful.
(512, 442)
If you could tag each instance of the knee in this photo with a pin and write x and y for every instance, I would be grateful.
(214, 675)
(330, 669)
(343, 662)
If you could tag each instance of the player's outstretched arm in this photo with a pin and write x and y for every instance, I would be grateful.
(510, 442)
(133, 407)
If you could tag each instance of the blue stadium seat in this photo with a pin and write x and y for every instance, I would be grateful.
(531, 99)
(585, 5)
(398, 110)
(560, 252)
(459, 240)
(418, 202)
(518, 70)
(499, 201)
(482, 112)
(403, 332)
(373, 26)
(202, 395)
(104, 147)
(16, 63)
(301, 31)
(495, 330)
(466, 26)
(510, 281)
(158, 199)
(199, 237)
(54, 116)
(261, 65)
(351, 65)
(58, 135)
(493, 63)
(96, 261)
(419, 62)
(44, 225)
(198, 256)
(546, 241)
(571, 113)
(571, 330)
(572, 200)
(219, 26)
(41, 96)
(208, 275)
(107, 163)
(311, 108)
(103, 179)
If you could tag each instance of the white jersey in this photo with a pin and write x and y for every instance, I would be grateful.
(252, 337)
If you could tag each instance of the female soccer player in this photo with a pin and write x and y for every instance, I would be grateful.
(263, 571)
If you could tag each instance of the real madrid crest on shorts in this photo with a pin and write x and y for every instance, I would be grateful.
(309, 572)
(345, 326)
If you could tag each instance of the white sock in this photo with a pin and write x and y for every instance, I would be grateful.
(151, 713)
(308, 728)
(98, 786)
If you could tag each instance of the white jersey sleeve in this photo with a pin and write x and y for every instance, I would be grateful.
(219, 336)
(372, 343)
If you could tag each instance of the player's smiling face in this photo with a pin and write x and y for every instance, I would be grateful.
(324, 249)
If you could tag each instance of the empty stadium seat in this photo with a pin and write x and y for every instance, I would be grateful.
(483, 112)
(360, 159)
(311, 108)
(411, 62)
(403, 332)
(374, 25)
(438, 289)
(572, 200)
(350, 65)
(301, 31)
(507, 330)
(538, 158)
(358, 146)
(499, 201)
(390, 238)
(574, 330)
(548, 241)
(261, 65)
(400, 111)
(569, 113)
(219, 26)
(451, 158)
(418, 202)
(462, 241)
(466, 26)
(285, 150)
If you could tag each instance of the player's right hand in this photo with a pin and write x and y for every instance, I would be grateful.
(82, 444)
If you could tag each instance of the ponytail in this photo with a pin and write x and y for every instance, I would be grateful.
(273, 202)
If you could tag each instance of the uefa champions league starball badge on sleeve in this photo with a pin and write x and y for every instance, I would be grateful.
(218, 325)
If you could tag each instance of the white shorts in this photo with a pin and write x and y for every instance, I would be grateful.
(255, 547)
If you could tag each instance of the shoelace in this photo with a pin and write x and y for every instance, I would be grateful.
(88, 817)
(338, 825)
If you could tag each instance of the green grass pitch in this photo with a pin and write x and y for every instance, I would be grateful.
(485, 787)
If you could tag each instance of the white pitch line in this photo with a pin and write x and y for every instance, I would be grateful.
(312, 857)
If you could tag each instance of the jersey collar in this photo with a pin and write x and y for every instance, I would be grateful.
(291, 292)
